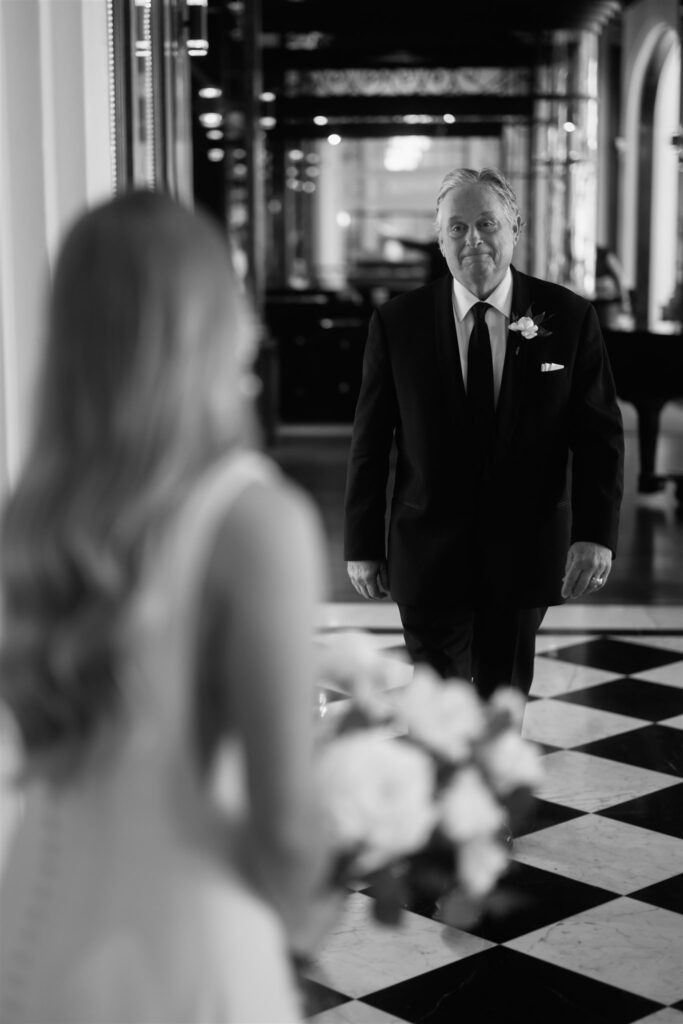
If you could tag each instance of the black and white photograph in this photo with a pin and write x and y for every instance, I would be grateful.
(341, 512)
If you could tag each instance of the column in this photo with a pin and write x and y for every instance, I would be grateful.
(564, 161)
(55, 158)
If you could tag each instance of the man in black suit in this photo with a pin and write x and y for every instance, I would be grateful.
(496, 390)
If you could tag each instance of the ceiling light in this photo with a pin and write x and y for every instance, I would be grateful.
(334, 139)
(320, 120)
(210, 92)
(211, 119)
(197, 28)
(405, 152)
(214, 134)
(215, 155)
(267, 97)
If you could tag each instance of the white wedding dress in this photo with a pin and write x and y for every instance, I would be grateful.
(119, 903)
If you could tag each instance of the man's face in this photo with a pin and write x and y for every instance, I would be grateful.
(476, 237)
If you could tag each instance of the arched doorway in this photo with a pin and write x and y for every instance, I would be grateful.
(656, 192)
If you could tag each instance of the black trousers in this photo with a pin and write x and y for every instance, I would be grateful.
(491, 644)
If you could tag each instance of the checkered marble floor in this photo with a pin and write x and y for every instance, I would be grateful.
(587, 924)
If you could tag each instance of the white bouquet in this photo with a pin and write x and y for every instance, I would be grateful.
(419, 782)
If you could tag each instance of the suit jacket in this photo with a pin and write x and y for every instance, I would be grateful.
(555, 471)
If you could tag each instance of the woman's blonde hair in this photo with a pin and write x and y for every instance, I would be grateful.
(147, 332)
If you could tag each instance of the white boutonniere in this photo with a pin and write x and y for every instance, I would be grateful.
(530, 326)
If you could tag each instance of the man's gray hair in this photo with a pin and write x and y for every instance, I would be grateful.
(488, 176)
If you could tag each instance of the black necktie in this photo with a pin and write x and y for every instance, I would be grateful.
(480, 378)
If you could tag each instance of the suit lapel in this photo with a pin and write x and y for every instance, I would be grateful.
(448, 353)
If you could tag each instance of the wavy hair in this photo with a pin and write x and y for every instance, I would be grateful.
(146, 335)
(488, 176)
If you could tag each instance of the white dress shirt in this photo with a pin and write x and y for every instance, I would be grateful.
(497, 320)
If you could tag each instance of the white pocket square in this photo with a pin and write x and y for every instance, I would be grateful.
(549, 367)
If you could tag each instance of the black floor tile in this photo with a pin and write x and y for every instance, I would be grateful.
(661, 811)
(667, 894)
(614, 655)
(316, 997)
(546, 748)
(527, 898)
(657, 747)
(502, 986)
(543, 814)
(636, 697)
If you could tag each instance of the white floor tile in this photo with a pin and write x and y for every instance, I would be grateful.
(361, 956)
(590, 783)
(599, 851)
(665, 643)
(569, 725)
(554, 641)
(602, 617)
(624, 943)
(665, 616)
(391, 642)
(666, 1016)
(670, 675)
(354, 1013)
(552, 677)
(359, 615)
(585, 618)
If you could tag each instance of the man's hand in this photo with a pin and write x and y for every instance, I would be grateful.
(370, 579)
(588, 566)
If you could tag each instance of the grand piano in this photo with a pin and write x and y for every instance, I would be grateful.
(648, 373)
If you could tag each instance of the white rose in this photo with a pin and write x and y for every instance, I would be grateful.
(446, 716)
(481, 862)
(526, 325)
(377, 793)
(468, 809)
(510, 761)
(351, 662)
(510, 700)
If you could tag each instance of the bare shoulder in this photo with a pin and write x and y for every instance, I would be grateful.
(274, 524)
(276, 506)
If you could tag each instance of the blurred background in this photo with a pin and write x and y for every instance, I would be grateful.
(317, 133)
